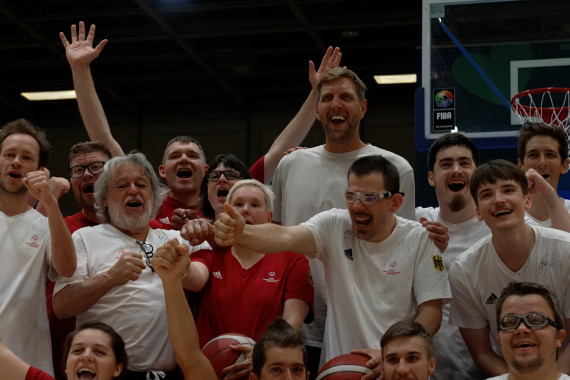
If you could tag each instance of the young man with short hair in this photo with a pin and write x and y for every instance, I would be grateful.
(514, 251)
(530, 332)
(407, 352)
(33, 248)
(542, 150)
(452, 159)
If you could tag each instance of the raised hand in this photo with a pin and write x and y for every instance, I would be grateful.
(180, 217)
(228, 227)
(330, 60)
(38, 186)
(171, 261)
(80, 51)
(197, 231)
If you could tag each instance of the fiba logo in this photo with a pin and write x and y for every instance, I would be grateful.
(443, 99)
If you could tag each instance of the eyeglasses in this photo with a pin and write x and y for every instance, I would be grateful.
(368, 198)
(531, 320)
(148, 251)
(94, 168)
(230, 175)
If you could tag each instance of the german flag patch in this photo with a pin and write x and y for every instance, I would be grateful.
(438, 263)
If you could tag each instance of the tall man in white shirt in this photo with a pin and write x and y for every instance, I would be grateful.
(309, 181)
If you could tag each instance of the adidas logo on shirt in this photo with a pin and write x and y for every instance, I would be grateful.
(491, 300)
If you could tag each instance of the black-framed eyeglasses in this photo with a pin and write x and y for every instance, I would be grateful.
(230, 175)
(531, 320)
(78, 170)
(148, 251)
(368, 197)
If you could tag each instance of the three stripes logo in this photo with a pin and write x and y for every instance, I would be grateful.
(492, 299)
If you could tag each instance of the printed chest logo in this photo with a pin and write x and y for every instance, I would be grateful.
(392, 270)
(348, 254)
(271, 278)
(33, 241)
(218, 275)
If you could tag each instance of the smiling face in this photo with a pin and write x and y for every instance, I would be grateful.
(407, 358)
(218, 191)
(130, 198)
(527, 350)
(372, 222)
(19, 155)
(542, 154)
(502, 204)
(183, 168)
(451, 174)
(83, 187)
(91, 357)
(283, 363)
(249, 201)
(340, 111)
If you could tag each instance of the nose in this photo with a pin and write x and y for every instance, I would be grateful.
(402, 368)
(499, 196)
(455, 167)
(522, 328)
(133, 189)
(87, 355)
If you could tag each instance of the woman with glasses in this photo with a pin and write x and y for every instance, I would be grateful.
(94, 349)
(244, 290)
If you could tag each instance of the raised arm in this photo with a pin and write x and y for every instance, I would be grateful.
(231, 229)
(299, 126)
(543, 192)
(171, 262)
(63, 256)
(80, 53)
(12, 366)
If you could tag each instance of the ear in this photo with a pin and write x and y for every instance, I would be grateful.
(317, 111)
(561, 335)
(431, 366)
(363, 107)
(519, 163)
(105, 201)
(479, 217)
(527, 202)
(431, 179)
(118, 370)
(161, 172)
(269, 216)
(397, 200)
(252, 376)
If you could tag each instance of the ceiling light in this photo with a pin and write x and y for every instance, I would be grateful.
(396, 79)
(49, 95)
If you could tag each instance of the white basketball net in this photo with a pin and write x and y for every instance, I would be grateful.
(550, 106)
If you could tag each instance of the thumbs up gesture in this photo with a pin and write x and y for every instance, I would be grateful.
(228, 227)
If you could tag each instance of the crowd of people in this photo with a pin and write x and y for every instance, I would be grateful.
(134, 284)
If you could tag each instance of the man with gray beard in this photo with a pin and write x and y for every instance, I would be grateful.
(114, 265)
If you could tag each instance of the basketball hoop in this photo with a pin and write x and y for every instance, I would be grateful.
(550, 106)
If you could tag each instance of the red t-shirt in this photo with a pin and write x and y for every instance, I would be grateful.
(245, 301)
(77, 221)
(257, 170)
(166, 210)
(37, 374)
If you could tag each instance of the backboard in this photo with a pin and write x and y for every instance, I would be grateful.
(517, 45)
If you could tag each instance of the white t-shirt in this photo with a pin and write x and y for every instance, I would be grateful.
(531, 220)
(309, 181)
(371, 285)
(136, 310)
(453, 358)
(25, 263)
(479, 276)
(506, 377)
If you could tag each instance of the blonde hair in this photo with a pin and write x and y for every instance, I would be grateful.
(267, 192)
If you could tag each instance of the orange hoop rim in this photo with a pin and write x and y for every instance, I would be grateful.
(516, 105)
